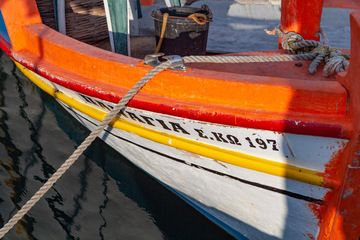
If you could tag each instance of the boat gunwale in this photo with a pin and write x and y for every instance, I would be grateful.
(329, 120)
(236, 158)
(305, 126)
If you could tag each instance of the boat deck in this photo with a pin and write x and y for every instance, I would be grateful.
(245, 20)
(288, 70)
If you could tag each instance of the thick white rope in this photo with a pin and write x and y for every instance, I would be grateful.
(333, 58)
(249, 59)
(83, 146)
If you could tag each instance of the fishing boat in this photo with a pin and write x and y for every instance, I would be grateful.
(265, 150)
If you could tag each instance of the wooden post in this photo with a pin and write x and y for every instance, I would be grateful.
(302, 16)
(173, 3)
(60, 15)
(117, 16)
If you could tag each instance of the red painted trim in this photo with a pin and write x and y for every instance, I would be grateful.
(302, 17)
(289, 126)
(5, 46)
(351, 4)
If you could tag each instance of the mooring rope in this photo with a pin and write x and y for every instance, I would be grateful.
(300, 49)
(82, 147)
(249, 59)
(335, 61)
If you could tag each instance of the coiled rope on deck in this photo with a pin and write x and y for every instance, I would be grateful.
(300, 49)
(335, 61)
(82, 147)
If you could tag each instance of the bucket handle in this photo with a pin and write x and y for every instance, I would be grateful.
(163, 29)
(199, 18)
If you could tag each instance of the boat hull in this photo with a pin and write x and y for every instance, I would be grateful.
(240, 208)
(248, 202)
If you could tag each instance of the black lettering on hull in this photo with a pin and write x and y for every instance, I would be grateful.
(219, 137)
(177, 128)
(201, 133)
(162, 123)
(233, 140)
(134, 117)
(148, 120)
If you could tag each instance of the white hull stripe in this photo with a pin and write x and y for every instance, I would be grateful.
(255, 184)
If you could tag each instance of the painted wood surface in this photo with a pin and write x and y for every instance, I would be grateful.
(60, 15)
(275, 146)
(302, 17)
(242, 158)
(352, 4)
(235, 198)
(172, 3)
(41, 45)
(237, 206)
(258, 108)
(117, 16)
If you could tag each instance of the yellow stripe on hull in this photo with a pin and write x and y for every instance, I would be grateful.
(203, 149)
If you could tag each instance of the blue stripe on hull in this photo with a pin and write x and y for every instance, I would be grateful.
(3, 31)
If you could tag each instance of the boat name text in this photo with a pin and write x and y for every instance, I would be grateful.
(249, 141)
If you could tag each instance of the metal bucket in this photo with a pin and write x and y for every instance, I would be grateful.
(183, 35)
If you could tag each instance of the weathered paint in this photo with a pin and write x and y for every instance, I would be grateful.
(351, 4)
(195, 109)
(302, 16)
(305, 124)
(59, 8)
(189, 135)
(117, 16)
(172, 3)
(339, 216)
(344, 222)
(208, 98)
(237, 206)
(17, 15)
(238, 189)
(289, 111)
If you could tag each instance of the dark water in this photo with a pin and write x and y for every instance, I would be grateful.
(103, 196)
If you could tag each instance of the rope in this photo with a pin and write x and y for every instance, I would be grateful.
(162, 34)
(333, 58)
(248, 59)
(199, 18)
(83, 146)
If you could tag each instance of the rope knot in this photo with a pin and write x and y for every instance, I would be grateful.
(322, 49)
(333, 58)
(335, 63)
(289, 41)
